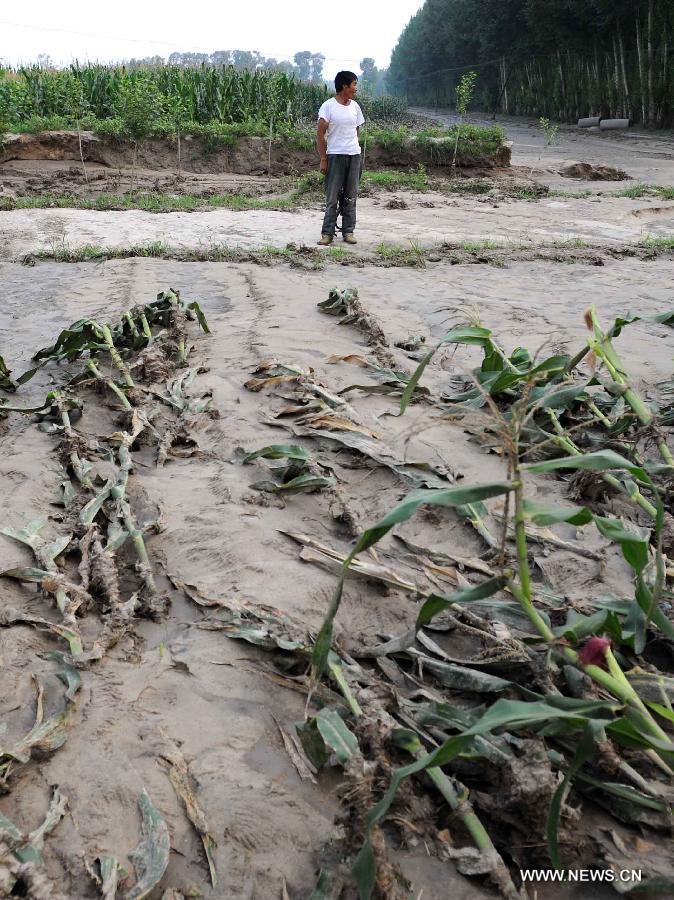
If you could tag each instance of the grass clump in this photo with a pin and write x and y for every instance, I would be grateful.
(398, 255)
(653, 242)
(473, 246)
(393, 181)
(647, 190)
(149, 202)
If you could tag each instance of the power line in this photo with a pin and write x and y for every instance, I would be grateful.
(130, 40)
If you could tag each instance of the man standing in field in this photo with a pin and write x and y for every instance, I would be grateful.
(339, 121)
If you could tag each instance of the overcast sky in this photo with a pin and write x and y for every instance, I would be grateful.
(86, 30)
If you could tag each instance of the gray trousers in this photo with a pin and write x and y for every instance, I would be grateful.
(342, 178)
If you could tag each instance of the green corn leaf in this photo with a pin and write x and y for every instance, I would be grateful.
(313, 743)
(436, 604)
(578, 627)
(452, 497)
(468, 334)
(558, 397)
(325, 886)
(414, 380)
(544, 514)
(599, 461)
(633, 544)
(336, 735)
(279, 451)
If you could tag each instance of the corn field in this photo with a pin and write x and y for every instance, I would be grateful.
(200, 95)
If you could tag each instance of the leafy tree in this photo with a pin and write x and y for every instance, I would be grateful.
(317, 62)
(140, 106)
(303, 63)
(547, 58)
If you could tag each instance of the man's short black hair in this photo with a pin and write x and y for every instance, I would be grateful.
(342, 79)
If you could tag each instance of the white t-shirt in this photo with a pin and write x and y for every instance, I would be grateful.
(342, 136)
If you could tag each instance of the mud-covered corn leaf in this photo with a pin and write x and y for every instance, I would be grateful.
(151, 856)
(278, 451)
(28, 848)
(184, 786)
(68, 674)
(460, 678)
(301, 484)
(89, 512)
(45, 737)
(26, 574)
(545, 514)
(111, 874)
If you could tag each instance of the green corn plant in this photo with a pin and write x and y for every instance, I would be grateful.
(527, 389)
(464, 94)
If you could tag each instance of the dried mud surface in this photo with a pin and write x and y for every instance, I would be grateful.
(208, 693)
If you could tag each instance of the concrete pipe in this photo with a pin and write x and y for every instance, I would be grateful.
(590, 122)
(614, 124)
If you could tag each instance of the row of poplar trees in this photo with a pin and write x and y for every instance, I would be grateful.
(558, 58)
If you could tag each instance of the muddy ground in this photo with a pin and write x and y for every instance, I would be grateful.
(212, 695)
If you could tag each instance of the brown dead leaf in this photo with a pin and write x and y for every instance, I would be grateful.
(353, 358)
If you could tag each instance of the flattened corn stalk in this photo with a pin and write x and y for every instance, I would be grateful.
(98, 560)
(602, 346)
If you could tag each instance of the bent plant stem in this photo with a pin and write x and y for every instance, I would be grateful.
(145, 326)
(108, 382)
(603, 348)
(594, 409)
(459, 803)
(631, 488)
(614, 680)
(75, 462)
(118, 493)
(116, 358)
(132, 325)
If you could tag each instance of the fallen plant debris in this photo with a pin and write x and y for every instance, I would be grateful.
(500, 711)
(576, 717)
(183, 784)
(101, 521)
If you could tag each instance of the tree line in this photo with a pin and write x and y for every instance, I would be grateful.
(306, 66)
(558, 58)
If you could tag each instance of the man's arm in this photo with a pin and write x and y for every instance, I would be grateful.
(322, 144)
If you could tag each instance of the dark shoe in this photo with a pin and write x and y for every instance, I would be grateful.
(325, 240)
(350, 239)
